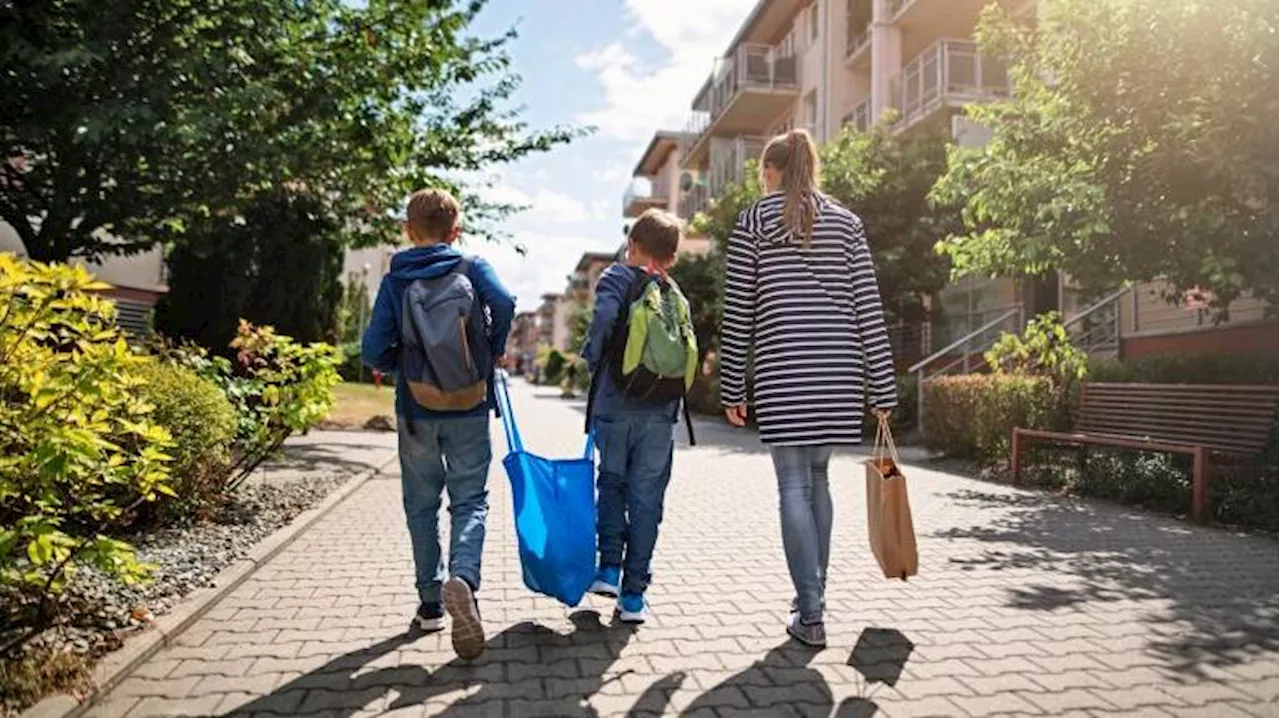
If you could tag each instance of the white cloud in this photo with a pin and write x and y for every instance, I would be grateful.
(544, 205)
(640, 98)
(548, 260)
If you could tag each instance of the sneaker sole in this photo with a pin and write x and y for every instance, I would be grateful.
(801, 639)
(604, 589)
(468, 631)
(429, 625)
(634, 619)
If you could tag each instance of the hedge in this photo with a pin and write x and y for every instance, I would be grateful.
(1201, 369)
(973, 416)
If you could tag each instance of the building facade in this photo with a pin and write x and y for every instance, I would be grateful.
(137, 281)
(827, 64)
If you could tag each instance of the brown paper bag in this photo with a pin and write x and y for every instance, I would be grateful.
(893, 537)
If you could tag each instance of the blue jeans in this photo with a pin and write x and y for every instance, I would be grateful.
(635, 468)
(445, 455)
(805, 504)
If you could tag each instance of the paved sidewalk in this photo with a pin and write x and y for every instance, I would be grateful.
(1025, 604)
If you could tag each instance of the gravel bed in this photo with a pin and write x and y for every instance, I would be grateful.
(187, 558)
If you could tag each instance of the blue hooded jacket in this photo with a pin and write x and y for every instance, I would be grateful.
(380, 348)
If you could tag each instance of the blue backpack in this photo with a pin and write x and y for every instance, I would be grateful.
(445, 353)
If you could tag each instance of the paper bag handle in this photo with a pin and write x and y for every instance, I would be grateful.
(884, 441)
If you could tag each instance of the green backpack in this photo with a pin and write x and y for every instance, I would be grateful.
(652, 350)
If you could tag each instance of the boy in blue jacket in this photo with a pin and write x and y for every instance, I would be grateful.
(441, 450)
(634, 435)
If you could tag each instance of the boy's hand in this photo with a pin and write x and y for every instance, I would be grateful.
(737, 415)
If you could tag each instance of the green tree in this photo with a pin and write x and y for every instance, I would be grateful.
(1139, 144)
(722, 213)
(139, 118)
(886, 180)
(701, 279)
(279, 264)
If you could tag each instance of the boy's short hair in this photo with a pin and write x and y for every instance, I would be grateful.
(432, 213)
(657, 233)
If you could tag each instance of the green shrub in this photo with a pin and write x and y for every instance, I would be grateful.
(78, 449)
(1044, 349)
(973, 417)
(1201, 369)
(201, 421)
(276, 386)
(552, 363)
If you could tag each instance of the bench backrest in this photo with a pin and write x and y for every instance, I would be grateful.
(1231, 419)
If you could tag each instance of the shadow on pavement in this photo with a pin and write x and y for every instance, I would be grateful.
(780, 680)
(1219, 588)
(881, 654)
(341, 689)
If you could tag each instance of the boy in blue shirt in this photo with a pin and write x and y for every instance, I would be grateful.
(634, 435)
(441, 450)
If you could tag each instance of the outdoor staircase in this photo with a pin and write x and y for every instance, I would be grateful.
(1096, 330)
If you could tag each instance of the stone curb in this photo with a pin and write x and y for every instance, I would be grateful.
(119, 664)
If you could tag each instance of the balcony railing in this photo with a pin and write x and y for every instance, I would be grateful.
(895, 7)
(857, 28)
(729, 160)
(657, 193)
(693, 129)
(950, 71)
(752, 67)
(860, 116)
(694, 201)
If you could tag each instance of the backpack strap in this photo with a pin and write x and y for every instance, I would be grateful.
(639, 278)
(688, 420)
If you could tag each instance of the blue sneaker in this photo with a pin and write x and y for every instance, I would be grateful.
(632, 608)
(608, 580)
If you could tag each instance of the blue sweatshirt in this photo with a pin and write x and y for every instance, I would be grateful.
(611, 295)
(380, 348)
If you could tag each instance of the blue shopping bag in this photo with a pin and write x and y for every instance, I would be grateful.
(555, 507)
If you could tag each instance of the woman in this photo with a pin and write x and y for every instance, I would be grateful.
(801, 293)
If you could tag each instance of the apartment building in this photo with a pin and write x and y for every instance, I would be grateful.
(826, 64)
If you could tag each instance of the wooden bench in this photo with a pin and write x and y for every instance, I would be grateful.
(1196, 420)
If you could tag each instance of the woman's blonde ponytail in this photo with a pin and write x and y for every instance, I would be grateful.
(795, 157)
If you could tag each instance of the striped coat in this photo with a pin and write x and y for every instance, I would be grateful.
(813, 320)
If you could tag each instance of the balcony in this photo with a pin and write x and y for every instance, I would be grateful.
(729, 159)
(857, 42)
(859, 117)
(951, 73)
(635, 200)
(744, 94)
(694, 201)
(896, 7)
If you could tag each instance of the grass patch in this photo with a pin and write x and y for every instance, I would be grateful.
(354, 404)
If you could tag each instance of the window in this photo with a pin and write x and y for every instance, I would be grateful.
(813, 23)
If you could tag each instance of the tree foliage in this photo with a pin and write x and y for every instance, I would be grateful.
(701, 280)
(1139, 144)
(126, 122)
(279, 264)
(886, 179)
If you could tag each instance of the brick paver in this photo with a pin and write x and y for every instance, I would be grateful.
(1026, 604)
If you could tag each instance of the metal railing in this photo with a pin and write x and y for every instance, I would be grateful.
(965, 354)
(657, 192)
(948, 71)
(752, 66)
(1096, 330)
(896, 7)
(694, 201)
(859, 116)
(729, 160)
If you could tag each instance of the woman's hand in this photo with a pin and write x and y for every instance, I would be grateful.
(882, 414)
(737, 415)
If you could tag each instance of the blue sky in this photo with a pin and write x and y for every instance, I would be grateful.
(627, 67)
